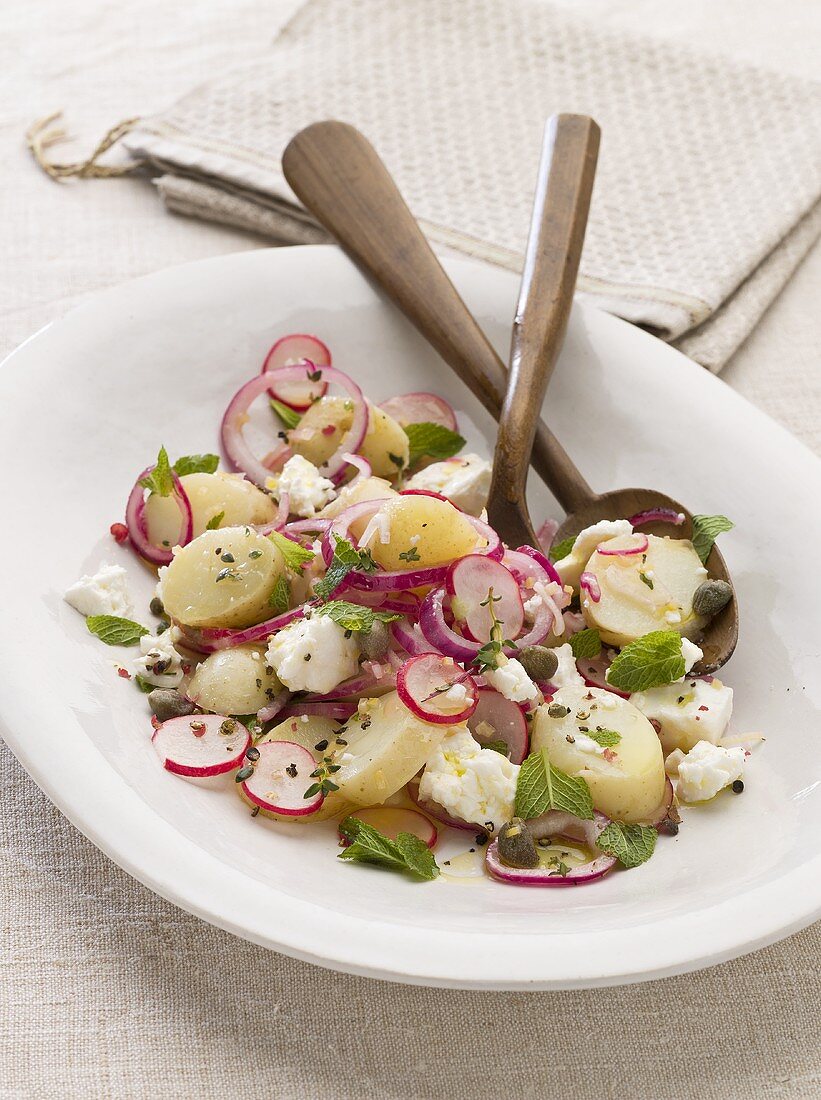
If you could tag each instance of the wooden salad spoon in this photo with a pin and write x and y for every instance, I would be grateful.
(337, 175)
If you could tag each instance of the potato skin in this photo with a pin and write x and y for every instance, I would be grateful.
(628, 783)
(434, 528)
(194, 596)
(314, 440)
(237, 498)
(234, 681)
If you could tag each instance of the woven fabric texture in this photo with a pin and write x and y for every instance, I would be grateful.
(709, 173)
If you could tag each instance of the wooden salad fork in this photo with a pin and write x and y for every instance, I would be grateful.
(338, 176)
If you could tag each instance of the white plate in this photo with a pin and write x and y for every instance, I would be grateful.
(85, 404)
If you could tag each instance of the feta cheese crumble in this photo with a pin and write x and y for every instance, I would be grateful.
(472, 783)
(691, 654)
(465, 481)
(313, 655)
(160, 663)
(687, 712)
(102, 593)
(511, 680)
(308, 490)
(706, 770)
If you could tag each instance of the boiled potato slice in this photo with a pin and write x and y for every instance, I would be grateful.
(308, 731)
(314, 439)
(627, 781)
(234, 681)
(387, 745)
(645, 592)
(436, 530)
(239, 500)
(367, 488)
(222, 579)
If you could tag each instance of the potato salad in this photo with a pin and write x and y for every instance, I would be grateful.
(337, 628)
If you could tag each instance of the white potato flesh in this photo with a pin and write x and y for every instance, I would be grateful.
(367, 488)
(194, 596)
(387, 745)
(315, 440)
(629, 607)
(308, 731)
(209, 494)
(627, 781)
(234, 681)
(436, 530)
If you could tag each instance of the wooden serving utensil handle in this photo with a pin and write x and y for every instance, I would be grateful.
(562, 202)
(337, 175)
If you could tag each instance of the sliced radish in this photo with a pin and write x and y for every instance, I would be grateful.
(471, 582)
(281, 777)
(420, 408)
(555, 823)
(393, 820)
(201, 744)
(593, 670)
(498, 719)
(291, 351)
(439, 813)
(436, 689)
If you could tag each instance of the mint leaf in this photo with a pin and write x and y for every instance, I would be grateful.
(345, 559)
(352, 616)
(497, 746)
(586, 643)
(289, 417)
(630, 844)
(649, 662)
(215, 521)
(280, 599)
(608, 739)
(541, 787)
(115, 631)
(296, 556)
(196, 464)
(144, 685)
(368, 845)
(432, 441)
(159, 480)
(706, 530)
(561, 549)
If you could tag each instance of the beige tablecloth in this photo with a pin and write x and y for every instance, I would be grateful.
(107, 991)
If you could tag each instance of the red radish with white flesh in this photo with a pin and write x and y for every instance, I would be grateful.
(436, 689)
(439, 813)
(390, 821)
(498, 719)
(201, 744)
(280, 779)
(473, 582)
(259, 470)
(420, 408)
(555, 823)
(138, 528)
(209, 640)
(297, 350)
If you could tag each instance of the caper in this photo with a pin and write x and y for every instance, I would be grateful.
(711, 596)
(157, 607)
(166, 703)
(556, 710)
(376, 642)
(516, 847)
(243, 774)
(539, 662)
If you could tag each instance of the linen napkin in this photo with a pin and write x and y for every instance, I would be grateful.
(707, 195)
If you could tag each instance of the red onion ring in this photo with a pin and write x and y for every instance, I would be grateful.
(359, 684)
(443, 638)
(280, 519)
(590, 584)
(639, 548)
(362, 466)
(547, 533)
(657, 515)
(137, 527)
(439, 813)
(269, 712)
(210, 640)
(240, 454)
(539, 557)
(313, 526)
(555, 823)
(410, 637)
